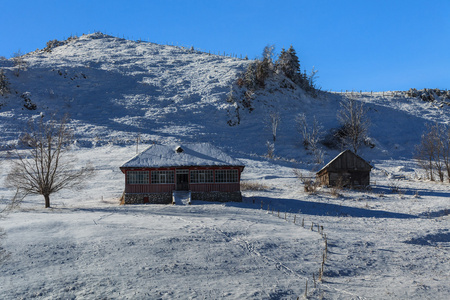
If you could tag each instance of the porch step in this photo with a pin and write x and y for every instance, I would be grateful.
(181, 197)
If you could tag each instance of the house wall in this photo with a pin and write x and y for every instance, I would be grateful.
(162, 193)
(152, 198)
(323, 178)
(215, 187)
(149, 188)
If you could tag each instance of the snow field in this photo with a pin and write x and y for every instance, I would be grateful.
(380, 244)
(390, 242)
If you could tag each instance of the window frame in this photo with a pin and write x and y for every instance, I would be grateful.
(137, 177)
(201, 176)
(226, 176)
(157, 175)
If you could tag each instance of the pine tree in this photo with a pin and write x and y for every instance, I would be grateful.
(264, 67)
(250, 76)
(294, 65)
(282, 62)
(289, 65)
(262, 71)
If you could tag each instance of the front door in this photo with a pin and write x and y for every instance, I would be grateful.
(182, 180)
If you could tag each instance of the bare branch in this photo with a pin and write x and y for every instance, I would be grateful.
(46, 167)
(274, 118)
(433, 152)
(355, 123)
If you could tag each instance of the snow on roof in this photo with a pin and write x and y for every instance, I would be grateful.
(192, 154)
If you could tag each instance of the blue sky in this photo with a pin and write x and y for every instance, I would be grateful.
(355, 45)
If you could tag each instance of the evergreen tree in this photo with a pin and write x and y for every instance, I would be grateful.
(263, 69)
(294, 65)
(250, 76)
(281, 62)
(289, 65)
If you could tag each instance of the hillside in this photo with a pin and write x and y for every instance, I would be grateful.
(115, 89)
(388, 242)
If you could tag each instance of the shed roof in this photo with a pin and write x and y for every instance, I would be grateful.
(181, 155)
(340, 155)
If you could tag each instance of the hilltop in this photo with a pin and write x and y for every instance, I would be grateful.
(115, 90)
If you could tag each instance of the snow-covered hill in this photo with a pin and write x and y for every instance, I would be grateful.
(391, 242)
(115, 89)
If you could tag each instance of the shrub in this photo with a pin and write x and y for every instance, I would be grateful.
(310, 185)
(253, 186)
(338, 187)
(4, 84)
(28, 103)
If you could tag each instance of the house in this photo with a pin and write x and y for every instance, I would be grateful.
(208, 173)
(347, 169)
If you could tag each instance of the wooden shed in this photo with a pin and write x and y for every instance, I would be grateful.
(347, 168)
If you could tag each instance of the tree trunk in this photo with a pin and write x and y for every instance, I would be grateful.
(47, 201)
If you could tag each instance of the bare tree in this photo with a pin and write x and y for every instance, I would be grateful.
(3, 253)
(355, 123)
(5, 206)
(270, 149)
(426, 153)
(268, 53)
(19, 62)
(446, 150)
(433, 152)
(312, 82)
(311, 136)
(439, 151)
(4, 84)
(46, 167)
(274, 119)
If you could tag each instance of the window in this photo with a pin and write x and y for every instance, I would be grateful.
(137, 177)
(202, 176)
(162, 177)
(227, 176)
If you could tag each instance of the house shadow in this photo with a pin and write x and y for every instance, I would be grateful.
(316, 208)
(439, 239)
(384, 189)
(258, 203)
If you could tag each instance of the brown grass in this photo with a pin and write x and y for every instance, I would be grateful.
(337, 188)
(310, 185)
(122, 199)
(253, 186)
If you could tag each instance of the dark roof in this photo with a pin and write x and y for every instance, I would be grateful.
(176, 155)
(363, 165)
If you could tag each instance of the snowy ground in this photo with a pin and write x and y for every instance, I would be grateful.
(381, 244)
(391, 242)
